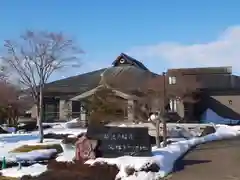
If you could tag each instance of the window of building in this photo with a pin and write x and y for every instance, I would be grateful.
(172, 80)
(173, 105)
(51, 112)
(122, 61)
(76, 106)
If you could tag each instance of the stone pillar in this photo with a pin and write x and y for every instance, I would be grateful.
(130, 110)
(33, 112)
(61, 109)
(180, 109)
(65, 109)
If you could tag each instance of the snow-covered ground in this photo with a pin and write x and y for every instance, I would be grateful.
(163, 157)
(33, 170)
(17, 141)
(9, 142)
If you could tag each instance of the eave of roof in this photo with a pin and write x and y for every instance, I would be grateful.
(75, 84)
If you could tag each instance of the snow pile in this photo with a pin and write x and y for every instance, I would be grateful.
(211, 117)
(33, 170)
(164, 157)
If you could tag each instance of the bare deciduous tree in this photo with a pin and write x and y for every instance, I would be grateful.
(35, 57)
(9, 103)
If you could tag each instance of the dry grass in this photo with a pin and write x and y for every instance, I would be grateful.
(28, 148)
(8, 178)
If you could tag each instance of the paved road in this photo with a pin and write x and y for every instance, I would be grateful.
(218, 160)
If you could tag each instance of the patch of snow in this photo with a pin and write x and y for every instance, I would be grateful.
(123, 125)
(153, 117)
(59, 125)
(9, 143)
(68, 153)
(74, 123)
(72, 136)
(181, 132)
(165, 157)
(30, 156)
(74, 131)
(172, 140)
(14, 138)
(52, 124)
(33, 170)
(66, 156)
(45, 142)
(210, 116)
(21, 124)
(8, 129)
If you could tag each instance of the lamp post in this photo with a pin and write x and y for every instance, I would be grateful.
(164, 111)
(9, 114)
(230, 103)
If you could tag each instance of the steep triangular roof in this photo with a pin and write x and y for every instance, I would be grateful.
(130, 60)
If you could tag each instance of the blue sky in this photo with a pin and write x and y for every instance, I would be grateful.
(160, 33)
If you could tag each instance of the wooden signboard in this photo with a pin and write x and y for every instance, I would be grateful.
(120, 141)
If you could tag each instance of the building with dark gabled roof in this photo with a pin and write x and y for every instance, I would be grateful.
(124, 76)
